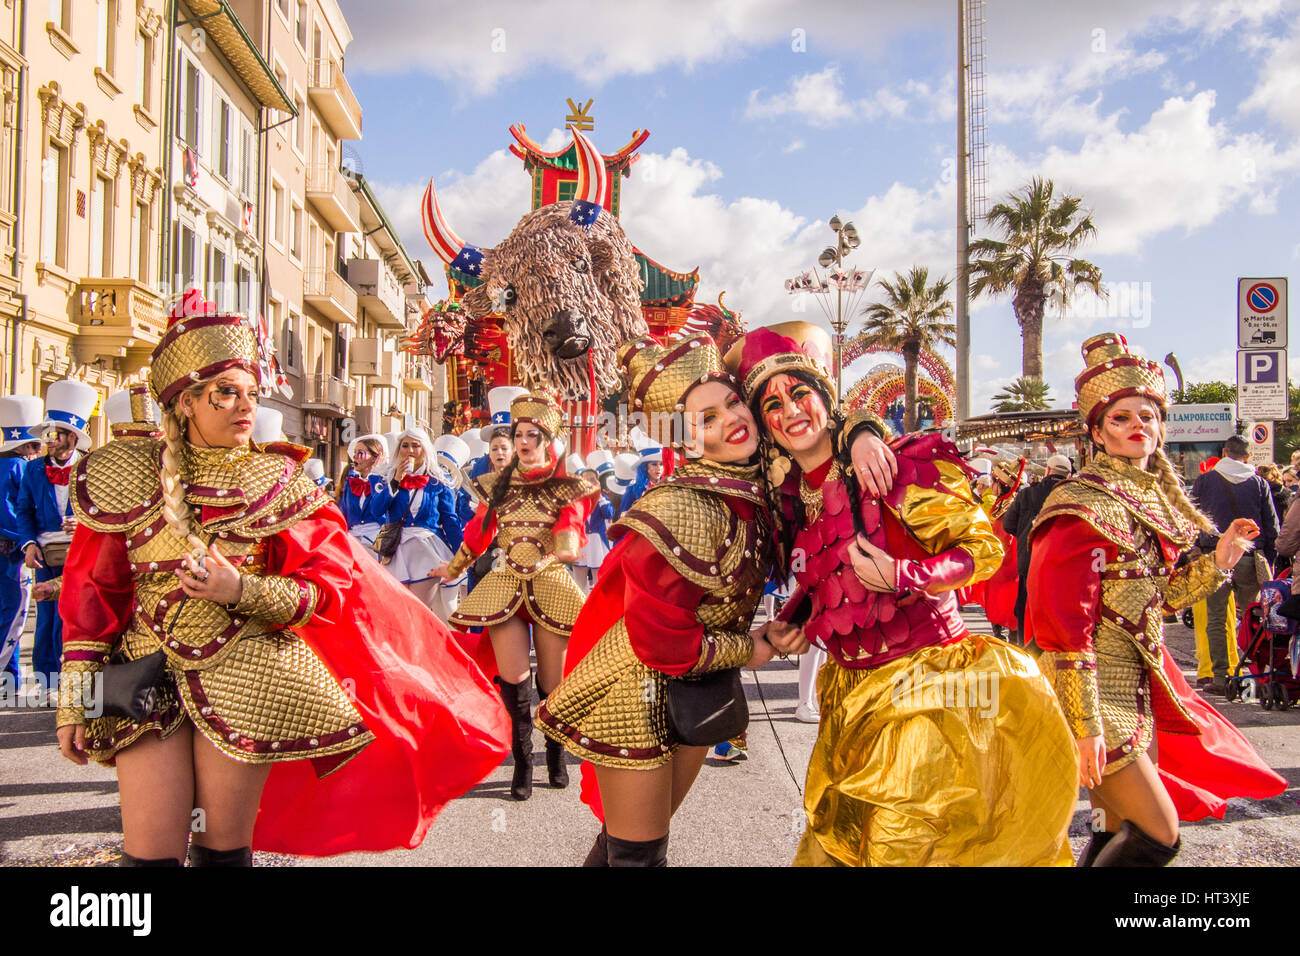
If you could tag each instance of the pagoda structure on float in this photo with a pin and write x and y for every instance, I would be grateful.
(476, 354)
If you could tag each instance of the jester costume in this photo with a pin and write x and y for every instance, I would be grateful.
(327, 669)
(936, 746)
(1112, 534)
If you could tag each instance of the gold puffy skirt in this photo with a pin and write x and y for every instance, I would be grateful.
(550, 598)
(956, 755)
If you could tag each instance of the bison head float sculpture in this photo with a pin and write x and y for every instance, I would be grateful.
(565, 281)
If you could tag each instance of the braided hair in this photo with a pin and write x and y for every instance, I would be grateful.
(502, 486)
(784, 528)
(175, 510)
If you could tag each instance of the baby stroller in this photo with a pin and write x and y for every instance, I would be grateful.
(1265, 640)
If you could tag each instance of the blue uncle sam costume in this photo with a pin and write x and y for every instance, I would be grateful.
(43, 503)
(20, 426)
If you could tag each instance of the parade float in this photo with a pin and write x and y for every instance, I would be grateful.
(549, 305)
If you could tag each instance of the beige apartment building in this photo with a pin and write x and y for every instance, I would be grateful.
(153, 145)
(336, 273)
(83, 188)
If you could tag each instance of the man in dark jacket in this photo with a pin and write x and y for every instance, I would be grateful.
(1231, 490)
(1020, 518)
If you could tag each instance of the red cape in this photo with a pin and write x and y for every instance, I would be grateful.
(439, 724)
(1202, 771)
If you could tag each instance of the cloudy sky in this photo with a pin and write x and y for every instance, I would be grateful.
(1177, 122)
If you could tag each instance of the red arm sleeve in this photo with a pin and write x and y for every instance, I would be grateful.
(475, 538)
(95, 600)
(95, 605)
(1064, 584)
(659, 609)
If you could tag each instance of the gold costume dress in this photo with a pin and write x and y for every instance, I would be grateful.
(543, 511)
(251, 686)
(675, 597)
(1113, 534)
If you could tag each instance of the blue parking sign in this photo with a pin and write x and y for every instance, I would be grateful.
(1261, 384)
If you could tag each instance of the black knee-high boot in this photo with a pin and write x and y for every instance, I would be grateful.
(556, 773)
(203, 856)
(518, 701)
(129, 860)
(637, 852)
(1098, 842)
(1133, 846)
(598, 855)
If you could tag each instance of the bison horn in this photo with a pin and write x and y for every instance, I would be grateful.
(446, 244)
(592, 181)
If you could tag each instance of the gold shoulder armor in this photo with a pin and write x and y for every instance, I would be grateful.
(691, 529)
(1103, 513)
(483, 485)
(118, 486)
(256, 495)
(574, 488)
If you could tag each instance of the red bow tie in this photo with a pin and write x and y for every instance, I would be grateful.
(57, 475)
(359, 487)
(411, 482)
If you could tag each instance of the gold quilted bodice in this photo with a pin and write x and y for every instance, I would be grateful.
(238, 498)
(687, 520)
(526, 519)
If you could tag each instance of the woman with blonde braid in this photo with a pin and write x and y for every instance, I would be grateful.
(1103, 573)
(232, 576)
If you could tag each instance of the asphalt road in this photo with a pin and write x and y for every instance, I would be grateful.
(746, 813)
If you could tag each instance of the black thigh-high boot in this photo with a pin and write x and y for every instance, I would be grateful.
(518, 701)
(129, 860)
(598, 855)
(637, 852)
(1098, 842)
(1132, 846)
(203, 856)
(556, 773)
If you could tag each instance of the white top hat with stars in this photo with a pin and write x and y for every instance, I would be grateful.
(69, 404)
(20, 421)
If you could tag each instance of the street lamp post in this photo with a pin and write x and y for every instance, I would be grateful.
(846, 240)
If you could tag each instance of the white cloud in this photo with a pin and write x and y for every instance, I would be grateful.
(793, 147)
(1277, 93)
(818, 99)
(815, 98)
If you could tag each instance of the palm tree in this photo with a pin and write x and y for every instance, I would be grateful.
(1023, 395)
(912, 317)
(1033, 260)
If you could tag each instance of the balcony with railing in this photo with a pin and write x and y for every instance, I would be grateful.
(378, 292)
(330, 92)
(418, 378)
(329, 192)
(325, 393)
(329, 294)
(120, 319)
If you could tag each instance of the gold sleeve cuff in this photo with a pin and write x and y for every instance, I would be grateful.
(277, 599)
(1074, 677)
(721, 650)
(567, 542)
(871, 420)
(946, 516)
(58, 587)
(1196, 581)
(461, 560)
(79, 688)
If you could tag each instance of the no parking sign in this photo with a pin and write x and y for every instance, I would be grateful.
(1259, 436)
(1261, 313)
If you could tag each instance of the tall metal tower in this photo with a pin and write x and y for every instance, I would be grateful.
(972, 173)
